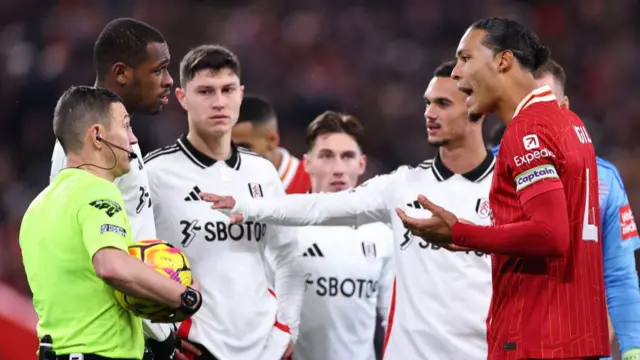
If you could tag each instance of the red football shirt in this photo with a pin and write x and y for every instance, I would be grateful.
(294, 176)
(548, 308)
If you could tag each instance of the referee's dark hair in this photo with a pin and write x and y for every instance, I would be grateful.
(331, 122)
(256, 110)
(123, 40)
(79, 108)
(504, 34)
(207, 57)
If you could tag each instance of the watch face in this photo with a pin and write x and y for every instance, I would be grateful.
(190, 298)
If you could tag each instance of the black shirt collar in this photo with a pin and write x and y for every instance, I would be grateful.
(204, 161)
(443, 173)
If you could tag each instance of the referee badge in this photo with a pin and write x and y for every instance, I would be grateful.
(369, 250)
(255, 190)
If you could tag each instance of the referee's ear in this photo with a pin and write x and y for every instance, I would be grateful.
(180, 96)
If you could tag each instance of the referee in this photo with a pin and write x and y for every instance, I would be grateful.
(74, 238)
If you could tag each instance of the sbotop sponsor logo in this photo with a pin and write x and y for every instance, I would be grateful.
(532, 156)
(536, 174)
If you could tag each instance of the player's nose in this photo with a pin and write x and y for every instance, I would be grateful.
(167, 80)
(456, 73)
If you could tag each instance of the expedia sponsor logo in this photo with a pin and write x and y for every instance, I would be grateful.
(532, 156)
(534, 175)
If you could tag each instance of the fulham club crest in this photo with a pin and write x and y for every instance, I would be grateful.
(482, 208)
(255, 190)
(369, 250)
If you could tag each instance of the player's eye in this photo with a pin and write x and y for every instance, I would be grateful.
(204, 91)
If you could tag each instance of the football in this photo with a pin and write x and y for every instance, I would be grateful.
(168, 261)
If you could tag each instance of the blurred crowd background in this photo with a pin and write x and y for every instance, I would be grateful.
(371, 58)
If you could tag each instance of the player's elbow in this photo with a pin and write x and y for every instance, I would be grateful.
(109, 267)
(558, 242)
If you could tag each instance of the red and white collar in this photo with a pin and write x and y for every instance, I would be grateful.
(288, 166)
(540, 94)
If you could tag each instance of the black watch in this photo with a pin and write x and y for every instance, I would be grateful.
(190, 301)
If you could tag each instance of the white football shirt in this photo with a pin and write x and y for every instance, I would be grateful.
(134, 187)
(349, 277)
(441, 298)
(240, 316)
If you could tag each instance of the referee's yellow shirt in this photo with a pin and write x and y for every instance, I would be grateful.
(65, 225)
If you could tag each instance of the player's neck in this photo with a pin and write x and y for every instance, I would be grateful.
(519, 88)
(276, 158)
(217, 148)
(463, 158)
(91, 164)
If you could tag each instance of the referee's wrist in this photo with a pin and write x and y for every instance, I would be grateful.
(190, 301)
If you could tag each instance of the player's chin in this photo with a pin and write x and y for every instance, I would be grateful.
(436, 141)
(153, 109)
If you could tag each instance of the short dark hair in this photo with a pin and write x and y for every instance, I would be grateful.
(123, 40)
(79, 108)
(256, 110)
(506, 34)
(331, 122)
(207, 57)
(445, 69)
(553, 68)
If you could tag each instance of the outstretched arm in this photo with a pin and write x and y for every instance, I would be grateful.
(362, 205)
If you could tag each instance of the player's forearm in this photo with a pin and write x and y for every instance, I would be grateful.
(129, 275)
(289, 286)
(304, 209)
(545, 234)
(623, 300)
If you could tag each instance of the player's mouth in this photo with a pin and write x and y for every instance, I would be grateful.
(432, 128)
(468, 91)
(338, 185)
(218, 119)
(164, 98)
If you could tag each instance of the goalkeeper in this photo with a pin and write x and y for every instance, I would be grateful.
(74, 238)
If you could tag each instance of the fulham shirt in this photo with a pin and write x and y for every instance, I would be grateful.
(348, 279)
(441, 298)
(242, 314)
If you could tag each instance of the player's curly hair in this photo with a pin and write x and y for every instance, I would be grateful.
(507, 34)
(123, 40)
(331, 122)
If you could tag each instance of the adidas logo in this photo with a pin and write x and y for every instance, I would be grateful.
(415, 205)
(313, 251)
(194, 195)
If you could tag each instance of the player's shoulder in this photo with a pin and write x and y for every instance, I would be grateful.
(608, 172)
(252, 158)
(255, 163)
(162, 155)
